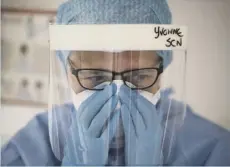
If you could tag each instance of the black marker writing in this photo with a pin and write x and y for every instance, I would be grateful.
(173, 42)
(163, 32)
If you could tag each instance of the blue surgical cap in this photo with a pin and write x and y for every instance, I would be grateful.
(115, 12)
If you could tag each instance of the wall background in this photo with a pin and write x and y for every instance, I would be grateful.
(208, 78)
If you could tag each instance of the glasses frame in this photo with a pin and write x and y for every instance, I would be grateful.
(75, 72)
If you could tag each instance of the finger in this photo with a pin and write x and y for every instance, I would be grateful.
(92, 106)
(103, 95)
(126, 95)
(130, 135)
(136, 119)
(129, 127)
(147, 110)
(111, 128)
(128, 98)
(97, 122)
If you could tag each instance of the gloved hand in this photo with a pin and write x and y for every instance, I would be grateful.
(88, 139)
(142, 127)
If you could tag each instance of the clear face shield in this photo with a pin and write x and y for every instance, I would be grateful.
(117, 93)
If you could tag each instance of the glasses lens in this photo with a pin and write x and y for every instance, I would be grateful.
(94, 79)
(141, 78)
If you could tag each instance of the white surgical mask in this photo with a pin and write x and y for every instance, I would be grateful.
(79, 98)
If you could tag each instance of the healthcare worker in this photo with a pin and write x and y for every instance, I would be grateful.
(109, 120)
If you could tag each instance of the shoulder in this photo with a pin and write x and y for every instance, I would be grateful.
(200, 128)
(203, 141)
(195, 138)
(190, 124)
(220, 155)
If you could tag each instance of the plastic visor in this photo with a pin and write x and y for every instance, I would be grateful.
(85, 59)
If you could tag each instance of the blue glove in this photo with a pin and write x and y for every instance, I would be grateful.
(142, 127)
(93, 126)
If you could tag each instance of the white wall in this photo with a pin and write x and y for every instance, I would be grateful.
(13, 117)
(208, 78)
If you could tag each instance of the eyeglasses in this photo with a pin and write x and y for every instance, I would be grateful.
(98, 79)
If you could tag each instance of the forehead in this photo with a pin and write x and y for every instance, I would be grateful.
(99, 56)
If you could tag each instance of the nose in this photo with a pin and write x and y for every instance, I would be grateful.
(118, 83)
(117, 77)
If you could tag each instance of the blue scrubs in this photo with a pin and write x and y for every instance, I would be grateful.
(197, 142)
